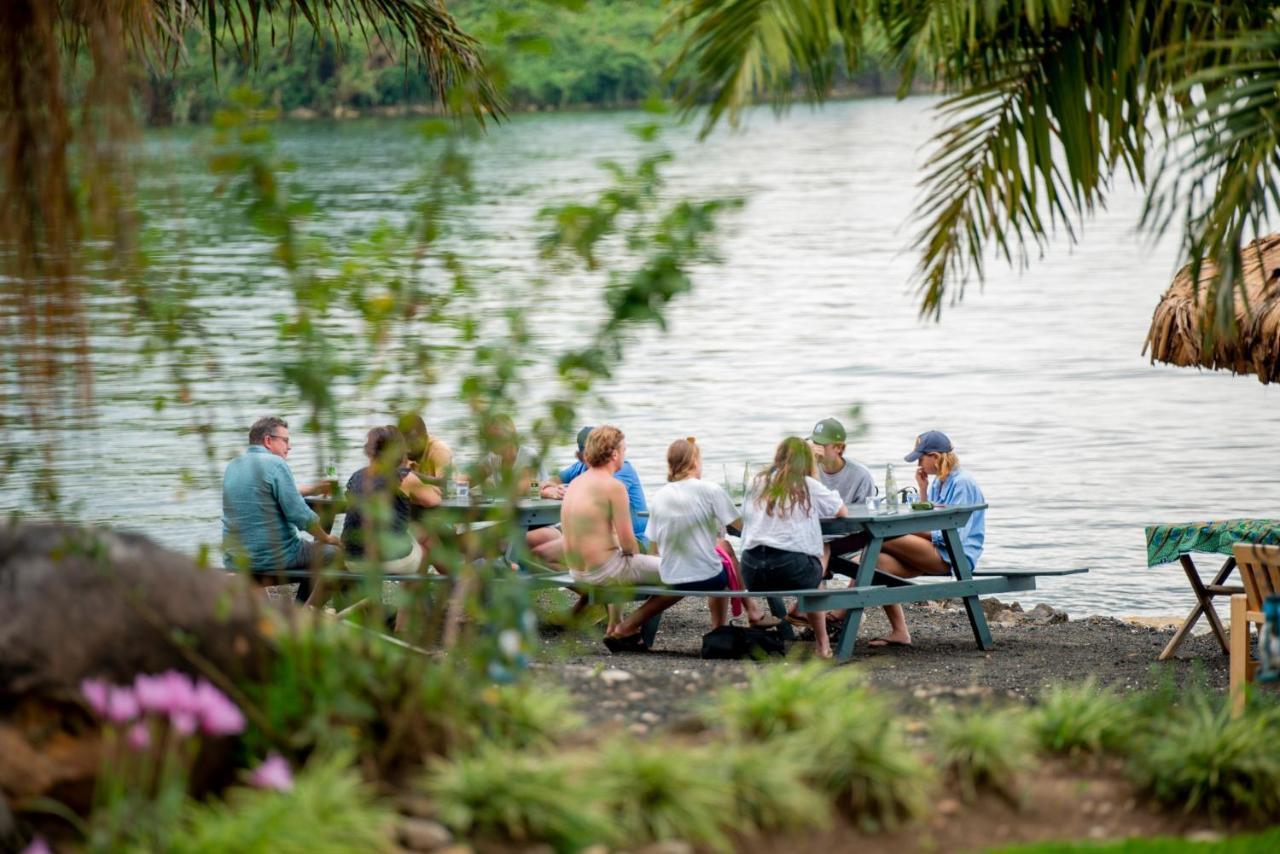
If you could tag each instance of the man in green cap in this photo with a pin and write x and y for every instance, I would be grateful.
(849, 478)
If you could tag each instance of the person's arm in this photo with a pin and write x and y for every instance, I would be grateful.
(287, 495)
(320, 487)
(922, 483)
(620, 509)
(421, 494)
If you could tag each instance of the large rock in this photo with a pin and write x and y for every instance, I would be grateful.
(78, 603)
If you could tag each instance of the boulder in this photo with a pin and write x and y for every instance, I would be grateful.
(77, 603)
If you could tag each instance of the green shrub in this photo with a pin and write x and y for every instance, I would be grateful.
(1199, 758)
(983, 748)
(1084, 719)
(518, 797)
(665, 791)
(787, 697)
(523, 716)
(771, 788)
(329, 809)
(862, 758)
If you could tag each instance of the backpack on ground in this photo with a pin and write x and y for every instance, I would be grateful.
(741, 642)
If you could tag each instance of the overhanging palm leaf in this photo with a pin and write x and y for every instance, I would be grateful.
(1052, 98)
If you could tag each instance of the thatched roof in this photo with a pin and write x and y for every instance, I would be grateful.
(1177, 333)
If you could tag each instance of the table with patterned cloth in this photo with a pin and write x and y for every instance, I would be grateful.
(1175, 542)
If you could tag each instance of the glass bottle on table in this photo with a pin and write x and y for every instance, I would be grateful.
(890, 489)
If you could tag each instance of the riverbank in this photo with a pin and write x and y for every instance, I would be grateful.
(645, 691)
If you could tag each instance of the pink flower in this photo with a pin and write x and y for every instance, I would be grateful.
(273, 773)
(122, 705)
(183, 723)
(179, 694)
(38, 846)
(153, 693)
(218, 715)
(95, 691)
(139, 737)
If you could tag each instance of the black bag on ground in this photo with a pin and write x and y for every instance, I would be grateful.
(741, 642)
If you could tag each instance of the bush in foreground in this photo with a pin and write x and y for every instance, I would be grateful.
(1199, 758)
(786, 698)
(983, 748)
(524, 798)
(1084, 719)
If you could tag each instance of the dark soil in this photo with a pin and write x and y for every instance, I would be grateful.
(646, 690)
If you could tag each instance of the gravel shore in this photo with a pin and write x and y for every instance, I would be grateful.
(642, 691)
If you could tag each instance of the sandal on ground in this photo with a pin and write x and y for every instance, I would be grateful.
(626, 643)
(798, 621)
(768, 621)
(880, 643)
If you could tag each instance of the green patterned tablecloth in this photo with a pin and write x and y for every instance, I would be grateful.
(1166, 542)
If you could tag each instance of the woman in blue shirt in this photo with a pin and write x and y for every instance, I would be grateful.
(924, 552)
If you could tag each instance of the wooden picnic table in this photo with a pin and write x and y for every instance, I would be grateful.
(1171, 542)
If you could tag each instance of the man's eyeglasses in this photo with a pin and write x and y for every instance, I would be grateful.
(287, 441)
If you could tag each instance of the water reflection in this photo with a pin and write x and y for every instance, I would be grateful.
(1075, 439)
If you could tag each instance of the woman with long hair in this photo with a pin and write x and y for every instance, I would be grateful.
(924, 552)
(380, 500)
(782, 531)
(687, 518)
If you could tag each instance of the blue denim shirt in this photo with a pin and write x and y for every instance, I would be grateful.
(960, 488)
(635, 494)
(262, 512)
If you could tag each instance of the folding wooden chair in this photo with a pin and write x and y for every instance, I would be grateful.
(1260, 572)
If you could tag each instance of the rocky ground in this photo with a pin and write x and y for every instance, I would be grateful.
(642, 691)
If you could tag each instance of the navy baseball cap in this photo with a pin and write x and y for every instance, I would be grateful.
(582, 437)
(930, 442)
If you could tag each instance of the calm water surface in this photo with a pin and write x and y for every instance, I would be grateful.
(1039, 379)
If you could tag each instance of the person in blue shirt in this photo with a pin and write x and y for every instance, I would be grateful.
(924, 553)
(263, 511)
(627, 474)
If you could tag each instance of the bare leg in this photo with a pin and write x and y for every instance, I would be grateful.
(720, 611)
(906, 557)
(651, 607)
(818, 622)
(615, 618)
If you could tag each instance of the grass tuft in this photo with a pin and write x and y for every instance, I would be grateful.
(786, 698)
(523, 798)
(667, 791)
(983, 748)
(771, 788)
(862, 758)
(1084, 719)
(1199, 758)
(330, 808)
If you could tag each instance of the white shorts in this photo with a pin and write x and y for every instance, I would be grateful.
(407, 565)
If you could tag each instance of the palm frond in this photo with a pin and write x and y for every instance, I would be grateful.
(742, 50)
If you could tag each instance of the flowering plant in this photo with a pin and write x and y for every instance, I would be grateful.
(151, 736)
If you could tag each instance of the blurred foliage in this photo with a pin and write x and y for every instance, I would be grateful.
(1084, 719)
(329, 808)
(787, 698)
(983, 749)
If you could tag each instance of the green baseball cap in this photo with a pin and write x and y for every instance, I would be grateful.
(828, 431)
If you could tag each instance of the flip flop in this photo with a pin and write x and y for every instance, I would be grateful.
(880, 643)
(768, 621)
(626, 643)
(797, 621)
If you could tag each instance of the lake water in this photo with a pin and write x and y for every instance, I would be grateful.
(1039, 378)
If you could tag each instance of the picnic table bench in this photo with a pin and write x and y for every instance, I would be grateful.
(870, 588)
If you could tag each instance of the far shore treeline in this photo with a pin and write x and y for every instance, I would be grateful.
(550, 54)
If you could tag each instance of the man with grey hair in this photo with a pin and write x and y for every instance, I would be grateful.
(263, 511)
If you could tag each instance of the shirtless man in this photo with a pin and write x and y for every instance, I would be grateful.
(600, 545)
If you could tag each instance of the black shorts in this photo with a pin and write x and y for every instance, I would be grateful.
(765, 568)
(706, 585)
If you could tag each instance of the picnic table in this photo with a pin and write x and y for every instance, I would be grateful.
(873, 589)
(1167, 543)
(530, 512)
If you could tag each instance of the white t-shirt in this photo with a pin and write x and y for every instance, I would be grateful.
(684, 520)
(794, 531)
